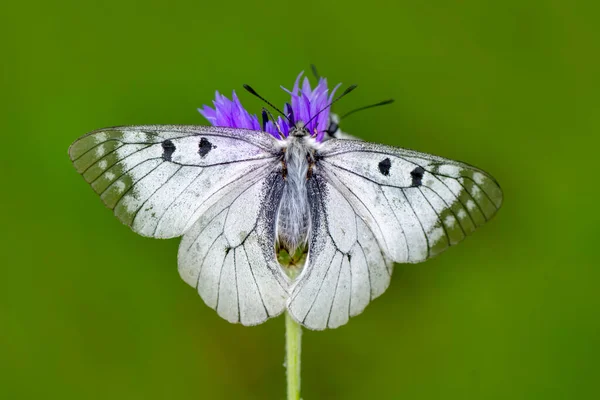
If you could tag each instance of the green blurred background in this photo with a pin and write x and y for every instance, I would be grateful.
(90, 310)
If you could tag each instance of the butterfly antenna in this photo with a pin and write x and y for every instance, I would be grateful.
(381, 103)
(252, 91)
(348, 90)
(314, 71)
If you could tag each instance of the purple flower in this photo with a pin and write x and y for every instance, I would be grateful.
(306, 102)
(229, 113)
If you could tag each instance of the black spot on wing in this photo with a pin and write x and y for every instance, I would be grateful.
(168, 150)
(384, 166)
(417, 176)
(204, 147)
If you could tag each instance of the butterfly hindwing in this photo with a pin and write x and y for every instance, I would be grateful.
(228, 254)
(158, 179)
(345, 268)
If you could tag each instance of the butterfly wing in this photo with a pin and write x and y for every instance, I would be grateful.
(373, 205)
(229, 255)
(159, 179)
(218, 187)
(345, 267)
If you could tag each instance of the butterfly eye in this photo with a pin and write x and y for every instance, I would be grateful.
(204, 147)
(417, 176)
(384, 167)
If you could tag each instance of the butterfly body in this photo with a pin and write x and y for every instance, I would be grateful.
(294, 214)
(235, 195)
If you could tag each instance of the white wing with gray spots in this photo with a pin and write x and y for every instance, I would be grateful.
(417, 204)
(373, 205)
(220, 188)
(160, 179)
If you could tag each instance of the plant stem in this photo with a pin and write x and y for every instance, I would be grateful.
(293, 350)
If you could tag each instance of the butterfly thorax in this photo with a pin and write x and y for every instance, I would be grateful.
(293, 220)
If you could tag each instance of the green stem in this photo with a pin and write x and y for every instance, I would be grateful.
(293, 350)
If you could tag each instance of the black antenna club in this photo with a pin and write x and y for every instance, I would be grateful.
(253, 92)
(381, 103)
(314, 71)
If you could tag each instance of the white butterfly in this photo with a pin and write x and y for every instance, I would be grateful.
(234, 195)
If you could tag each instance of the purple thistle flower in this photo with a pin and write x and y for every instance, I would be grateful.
(229, 113)
(306, 102)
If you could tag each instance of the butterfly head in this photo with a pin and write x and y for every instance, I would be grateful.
(299, 130)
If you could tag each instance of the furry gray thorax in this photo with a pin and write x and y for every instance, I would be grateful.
(294, 216)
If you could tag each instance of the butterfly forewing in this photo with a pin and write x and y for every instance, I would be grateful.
(416, 204)
(159, 179)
